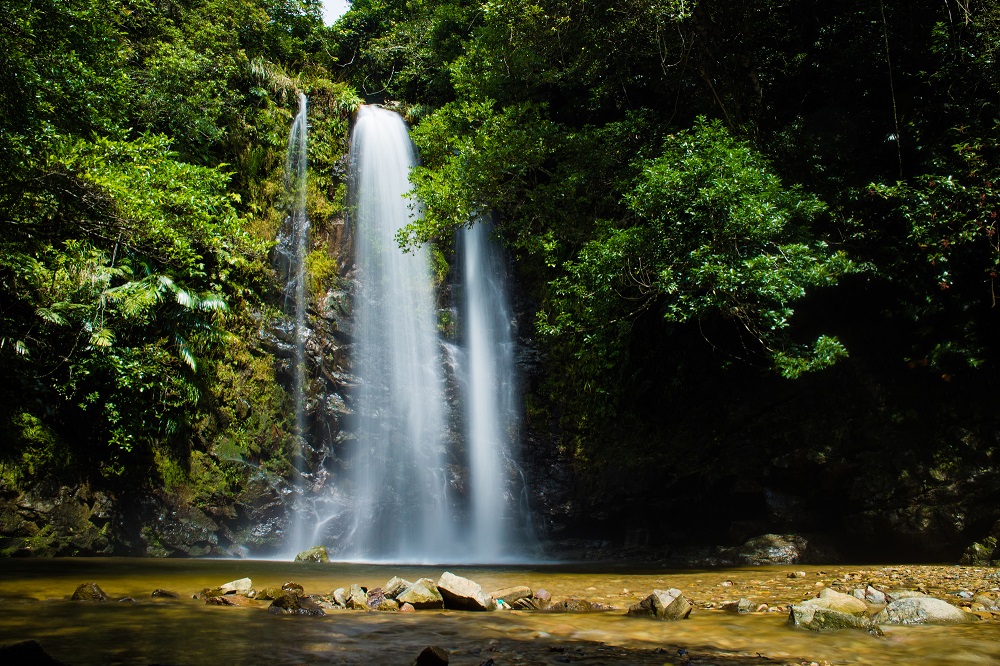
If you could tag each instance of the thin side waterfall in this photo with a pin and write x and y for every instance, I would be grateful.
(490, 389)
(293, 242)
(398, 482)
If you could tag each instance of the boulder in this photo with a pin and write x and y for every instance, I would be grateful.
(814, 617)
(340, 597)
(294, 588)
(293, 604)
(269, 593)
(89, 592)
(375, 598)
(874, 596)
(512, 594)
(314, 554)
(422, 595)
(357, 598)
(387, 605)
(663, 605)
(578, 606)
(395, 587)
(980, 553)
(432, 656)
(463, 594)
(845, 603)
(923, 610)
(743, 605)
(232, 600)
(241, 586)
(896, 595)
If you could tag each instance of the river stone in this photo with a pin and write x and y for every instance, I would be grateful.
(270, 593)
(294, 588)
(896, 595)
(838, 601)
(923, 610)
(664, 605)
(292, 604)
(314, 554)
(874, 596)
(989, 603)
(512, 594)
(422, 595)
(340, 597)
(231, 600)
(387, 605)
(165, 594)
(463, 594)
(395, 587)
(89, 592)
(357, 598)
(743, 605)
(375, 598)
(432, 656)
(578, 606)
(814, 617)
(240, 586)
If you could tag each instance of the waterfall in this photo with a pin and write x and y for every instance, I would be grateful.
(425, 469)
(490, 394)
(399, 485)
(290, 259)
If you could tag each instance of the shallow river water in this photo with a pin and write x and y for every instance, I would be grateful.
(34, 604)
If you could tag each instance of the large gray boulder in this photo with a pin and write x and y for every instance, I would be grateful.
(463, 594)
(422, 595)
(663, 605)
(923, 610)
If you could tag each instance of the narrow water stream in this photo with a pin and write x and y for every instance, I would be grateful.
(34, 603)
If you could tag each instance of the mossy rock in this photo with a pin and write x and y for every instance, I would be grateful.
(314, 554)
(89, 592)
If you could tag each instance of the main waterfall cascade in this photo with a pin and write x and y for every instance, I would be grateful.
(425, 473)
(396, 471)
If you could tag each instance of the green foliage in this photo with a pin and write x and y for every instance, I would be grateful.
(141, 152)
(714, 235)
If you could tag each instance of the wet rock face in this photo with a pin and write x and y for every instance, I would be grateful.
(51, 520)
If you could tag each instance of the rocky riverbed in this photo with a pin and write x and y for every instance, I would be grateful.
(186, 612)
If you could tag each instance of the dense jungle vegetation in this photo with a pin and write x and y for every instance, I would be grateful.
(748, 236)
